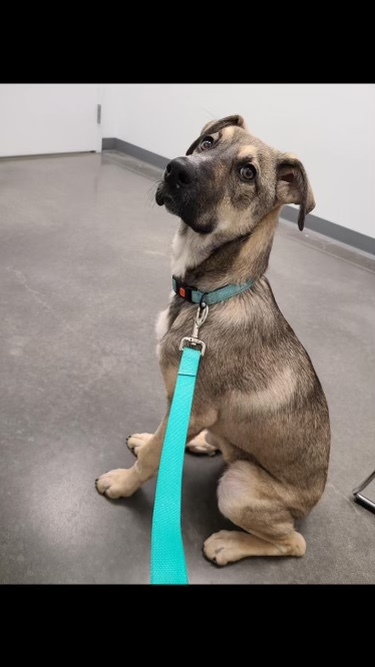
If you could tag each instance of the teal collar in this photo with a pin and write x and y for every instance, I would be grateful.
(194, 295)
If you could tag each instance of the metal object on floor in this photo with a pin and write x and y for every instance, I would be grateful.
(362, 499)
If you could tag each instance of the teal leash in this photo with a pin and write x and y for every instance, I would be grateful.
(168, 562)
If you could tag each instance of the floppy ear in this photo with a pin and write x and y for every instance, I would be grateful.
(293, 186)
(215, 126)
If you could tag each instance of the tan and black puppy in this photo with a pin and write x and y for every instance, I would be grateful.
(258, 397)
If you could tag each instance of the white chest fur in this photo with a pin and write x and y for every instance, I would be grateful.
(161, 325)
(188, 250)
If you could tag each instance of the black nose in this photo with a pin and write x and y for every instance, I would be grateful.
(179, 172)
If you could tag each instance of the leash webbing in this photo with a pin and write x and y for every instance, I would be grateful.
(168, 562)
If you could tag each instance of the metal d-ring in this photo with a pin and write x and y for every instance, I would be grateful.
(203, 304)
(201, 315)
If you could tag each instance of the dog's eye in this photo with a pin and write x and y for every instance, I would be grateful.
(206, 143)
(248, 172)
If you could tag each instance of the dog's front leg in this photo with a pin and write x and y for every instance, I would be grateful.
(123, 482)
(204, 444)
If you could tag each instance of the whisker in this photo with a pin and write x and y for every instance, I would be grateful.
(150, 195)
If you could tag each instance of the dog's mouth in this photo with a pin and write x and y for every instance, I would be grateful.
(186, 209)
(162, 197)
(175, 200)
(179, 187)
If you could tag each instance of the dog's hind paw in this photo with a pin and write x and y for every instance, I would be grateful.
(228, 546)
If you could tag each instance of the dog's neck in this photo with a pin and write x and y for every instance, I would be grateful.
(209, 262)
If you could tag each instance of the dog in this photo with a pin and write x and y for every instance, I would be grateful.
(258, 399)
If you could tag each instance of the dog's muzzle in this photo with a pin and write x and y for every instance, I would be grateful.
(179, 175)
(182, 193)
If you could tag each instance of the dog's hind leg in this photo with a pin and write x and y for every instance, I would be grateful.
(259, 505)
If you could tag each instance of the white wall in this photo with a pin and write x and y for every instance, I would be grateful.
(48, 118)
(331, 127)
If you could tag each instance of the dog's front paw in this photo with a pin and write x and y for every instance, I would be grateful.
(118, 483)
(136, 441)
(201, 446)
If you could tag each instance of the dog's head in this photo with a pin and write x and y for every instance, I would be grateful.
(229, 181)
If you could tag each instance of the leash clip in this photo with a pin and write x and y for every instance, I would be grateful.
(192, 341)
(199, 319)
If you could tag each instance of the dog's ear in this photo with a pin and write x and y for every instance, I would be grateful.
(293, 186)
(216, 125)
(228, 121)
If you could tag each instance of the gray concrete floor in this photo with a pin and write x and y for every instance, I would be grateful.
(84, 266)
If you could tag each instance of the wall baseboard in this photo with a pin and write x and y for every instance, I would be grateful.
(108, 144)
(333, 231)
(135, 151)
(316, 224)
